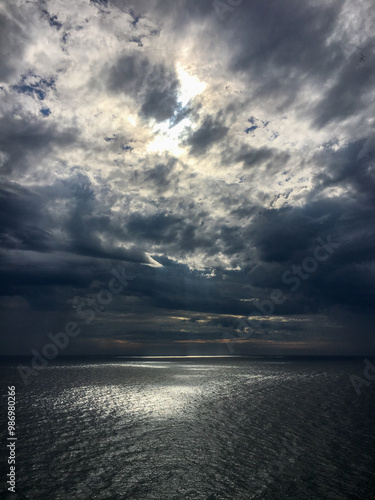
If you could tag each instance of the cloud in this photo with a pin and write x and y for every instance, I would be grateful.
(257, 157)
(210, 131)
(161, 175)
(208, 156)
(12, 41)
(154, 84)
(25, 139)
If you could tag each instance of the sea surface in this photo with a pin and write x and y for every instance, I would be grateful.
(193, 428)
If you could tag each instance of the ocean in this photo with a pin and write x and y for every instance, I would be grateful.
(191, 428)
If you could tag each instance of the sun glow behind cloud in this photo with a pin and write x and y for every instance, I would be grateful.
(167, 138)
(167, 135)
(191, 86)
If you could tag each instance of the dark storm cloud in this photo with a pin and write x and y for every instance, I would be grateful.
(89, 225)
(287, 234)
(157, 227)
(225, 322)
(285, 38)
(175, 287)
(29, 218)
(23, 220)
(340, 102)
(186, 232)
(282, 234)
(284, 238)
(257, 156)
(161, 176)
(193, 238)
(210, 132)
(12, 44)
(23, 140)
(129, 73)
(295, 40)
(173, 233)
(232, 239)
(155, 84)
(29, 273)
(279, 235)
(179, 12)
(351, 164)
(160, 102)
(288, 36)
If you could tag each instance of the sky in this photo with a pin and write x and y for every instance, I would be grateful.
(187, 177)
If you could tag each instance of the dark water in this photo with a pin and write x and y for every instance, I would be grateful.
(192, 429)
